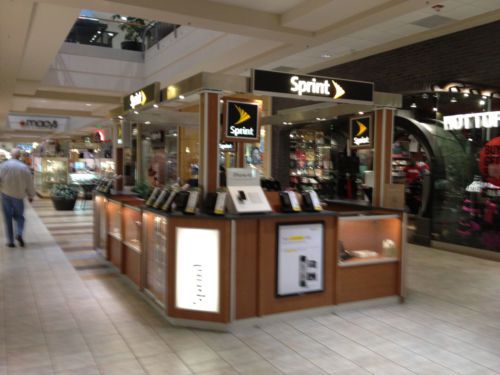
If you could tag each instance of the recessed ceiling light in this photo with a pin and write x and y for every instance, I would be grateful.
(325, 56)
(466, 94)
(136, 112)
(148, 122)
(413, 105)
(181, 97)
(123, 18)
(361, 113)
(155, 105)
(482, 102)
(434, 109)
(88, 104)
(221, 101)
(120, 117)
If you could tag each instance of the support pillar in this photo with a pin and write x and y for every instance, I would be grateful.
(383, 138)
(208, 173)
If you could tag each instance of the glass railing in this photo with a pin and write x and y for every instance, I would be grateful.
(123, 33)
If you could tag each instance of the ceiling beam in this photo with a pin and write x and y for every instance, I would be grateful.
(198, 13)
(59, 112)
(73, 97)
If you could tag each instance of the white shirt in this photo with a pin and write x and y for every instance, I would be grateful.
(16, 180)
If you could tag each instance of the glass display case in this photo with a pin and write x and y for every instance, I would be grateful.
(114, 219)
(155, 245)
(49, 171)
(369, 239)
(100, 223)
(132, 225)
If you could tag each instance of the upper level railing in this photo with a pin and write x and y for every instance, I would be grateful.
(120, 33)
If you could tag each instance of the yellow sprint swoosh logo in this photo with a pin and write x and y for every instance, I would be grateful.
(244, 116)
(339, 91)
(362, 128)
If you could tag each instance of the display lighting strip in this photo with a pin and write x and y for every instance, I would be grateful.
(466, 90)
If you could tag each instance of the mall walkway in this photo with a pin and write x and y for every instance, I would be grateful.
(63, 311)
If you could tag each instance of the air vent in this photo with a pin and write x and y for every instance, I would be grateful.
(285, 69)
(433, 21)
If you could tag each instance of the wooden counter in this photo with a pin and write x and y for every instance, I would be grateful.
(244, 282)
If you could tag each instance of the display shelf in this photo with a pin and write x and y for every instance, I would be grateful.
(155, 248)
(50, 171)
(365, 261)
(368, 239)
(115, 235)
(135, 246)
(132, 227)
(114, 219)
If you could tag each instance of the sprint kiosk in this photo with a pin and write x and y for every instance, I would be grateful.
(213, 270)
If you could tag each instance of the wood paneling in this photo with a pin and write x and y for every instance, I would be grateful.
(132, 265)
(273, 197)
(224, 226)
(209, 142)
(115, 252)
(366, 282)
(246, 268)
(379, 157)
(268, 302)
(389, 129)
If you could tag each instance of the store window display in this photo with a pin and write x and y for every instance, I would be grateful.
(320, 159)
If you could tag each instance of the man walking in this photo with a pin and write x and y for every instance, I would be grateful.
(16, 183)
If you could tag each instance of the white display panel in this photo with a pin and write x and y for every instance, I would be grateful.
(300, 258)
(197, 276)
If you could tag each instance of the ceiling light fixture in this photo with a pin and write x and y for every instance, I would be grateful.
(155, 105)
(123, 18)
(325, 56)
(148, 122)
(120, 117)
(434, 109)
(88, 104)
(413, 105)
(466, 94)
(136, 112)
(181, 97)
(221, 101)
(361, 113)
(482, 102)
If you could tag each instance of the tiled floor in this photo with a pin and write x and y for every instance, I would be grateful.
(67, 313)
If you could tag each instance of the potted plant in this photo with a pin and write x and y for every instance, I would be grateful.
(133, 28)
(63, 197)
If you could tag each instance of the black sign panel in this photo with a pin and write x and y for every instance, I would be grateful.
(299, 86)
(242, 121)
(142, 98)
(360, 132)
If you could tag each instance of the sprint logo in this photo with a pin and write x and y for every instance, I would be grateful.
(244, 116)
(241, 122)
(138, 98)
(361, 138)
(329, 88)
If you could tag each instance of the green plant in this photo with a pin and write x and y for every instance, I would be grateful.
(142, 189)
(133, 28)
(63, 191)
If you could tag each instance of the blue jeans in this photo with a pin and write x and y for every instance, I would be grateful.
(13, 208)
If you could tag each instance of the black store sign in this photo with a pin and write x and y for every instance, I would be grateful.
(360, 132)
(311, 87)
(142, 98)
(242, 121)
